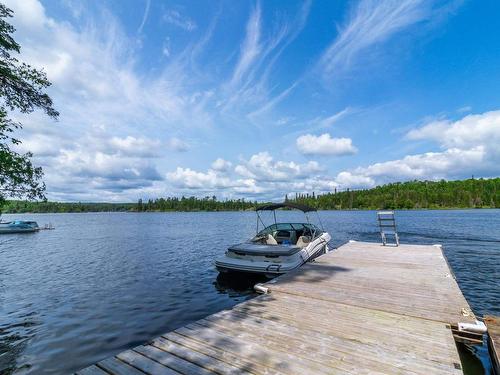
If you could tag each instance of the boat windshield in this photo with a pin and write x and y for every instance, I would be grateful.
(288, 233)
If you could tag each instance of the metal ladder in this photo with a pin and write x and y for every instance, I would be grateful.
(387, 225)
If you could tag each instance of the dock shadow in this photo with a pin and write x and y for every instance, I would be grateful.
(312, 272)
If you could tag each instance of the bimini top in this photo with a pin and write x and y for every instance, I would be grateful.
(275, 206)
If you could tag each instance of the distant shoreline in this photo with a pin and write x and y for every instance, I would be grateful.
(222, 211)
(412, 195)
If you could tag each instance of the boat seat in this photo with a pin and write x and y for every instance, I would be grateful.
(303, 241)
(270, 240)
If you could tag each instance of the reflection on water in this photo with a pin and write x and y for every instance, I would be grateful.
(14, 338)
(102, 283)
(470, 356)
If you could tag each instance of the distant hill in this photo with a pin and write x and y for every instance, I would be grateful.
(471, 193)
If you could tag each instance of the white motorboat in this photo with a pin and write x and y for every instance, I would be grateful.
(278, 248)
(18, 226)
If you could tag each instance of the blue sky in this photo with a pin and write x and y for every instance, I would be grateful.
(259, 99)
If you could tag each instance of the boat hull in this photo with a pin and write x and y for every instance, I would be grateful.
(270, 265)
(19, 227)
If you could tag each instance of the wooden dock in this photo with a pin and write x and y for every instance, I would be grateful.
(363, 308)
(493, 324)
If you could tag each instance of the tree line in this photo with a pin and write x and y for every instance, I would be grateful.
(151, 205)
(471, 193)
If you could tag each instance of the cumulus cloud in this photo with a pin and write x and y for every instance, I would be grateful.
(324, 144)
(431, 165)
(188, 178)
(221, 165)
(263, 167)
(260, 176)
(470, 131)
(469, 146)
(135, 146)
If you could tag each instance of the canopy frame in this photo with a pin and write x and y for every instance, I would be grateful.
(276, 206)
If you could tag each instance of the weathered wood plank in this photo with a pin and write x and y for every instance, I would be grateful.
(203, 347)
(170, 360)
(92, 370)
(197, 358)
(493, 324)
(268, 355)
(429, 295)
(115, 366)
(145, 364)
(349, 347)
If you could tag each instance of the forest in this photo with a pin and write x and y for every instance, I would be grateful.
(470, 193)
(151, 205)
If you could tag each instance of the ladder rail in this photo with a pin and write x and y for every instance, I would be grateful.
(386, 219)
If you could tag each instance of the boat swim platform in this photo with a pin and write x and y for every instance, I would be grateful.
(363, 308)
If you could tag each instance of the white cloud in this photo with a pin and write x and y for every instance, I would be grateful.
(104, 101)
(330, 120)
(188, 178)
(249, 85)
(221, 165)
(144, 16)
(175, 18)
(263, 167)
(452, 163)
(260, 177)
(135, 146)
(30, 14)
(464, 109)
(176, 144)
(111, 109)
(469, 147)
(354, 180)
(99, 172)
(325, 145)
(371, 22)
(250, 48)
(166, 47)
(470, 131)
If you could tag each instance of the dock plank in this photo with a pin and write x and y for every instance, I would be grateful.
(361, 309)
(197, 358)
(493, 324)
(165, 358)
(336, 279)
(145, 364)
(115, 366)
(92, 370)
(236, 360)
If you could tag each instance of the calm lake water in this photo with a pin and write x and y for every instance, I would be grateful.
(101, 283)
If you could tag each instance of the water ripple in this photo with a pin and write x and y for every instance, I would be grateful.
(101, 283)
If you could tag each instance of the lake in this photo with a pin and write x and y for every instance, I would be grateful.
(104, 282)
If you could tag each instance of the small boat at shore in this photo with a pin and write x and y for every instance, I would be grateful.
(18, 226)
(278, 248)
